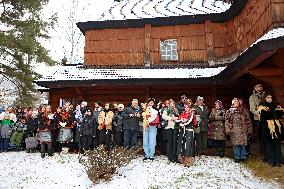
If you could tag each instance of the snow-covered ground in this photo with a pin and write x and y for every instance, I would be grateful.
(22, 170)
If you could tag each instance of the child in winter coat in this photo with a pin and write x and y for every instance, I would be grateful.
(87, 130)
(6, 130)
(19, 133)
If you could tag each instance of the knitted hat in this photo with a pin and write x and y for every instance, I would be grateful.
(183, 97)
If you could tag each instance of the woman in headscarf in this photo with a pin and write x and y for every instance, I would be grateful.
(218, 135)
(272, 129)
(238, 126)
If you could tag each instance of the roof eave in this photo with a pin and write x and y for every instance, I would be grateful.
(229, 14)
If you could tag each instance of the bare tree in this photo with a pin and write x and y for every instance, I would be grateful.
(71, 33)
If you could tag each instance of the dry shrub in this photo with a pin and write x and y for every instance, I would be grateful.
(101, 164)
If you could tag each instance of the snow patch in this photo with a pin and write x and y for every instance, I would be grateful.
(22, 170)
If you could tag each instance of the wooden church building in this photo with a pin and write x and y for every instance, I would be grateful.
(163, 49)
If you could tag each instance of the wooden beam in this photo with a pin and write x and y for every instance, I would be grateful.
(242, 71)
(270, 71)
(273, 81)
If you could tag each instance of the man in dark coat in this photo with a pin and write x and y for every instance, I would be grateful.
(118, 126)
(201, 133)
(131, 118)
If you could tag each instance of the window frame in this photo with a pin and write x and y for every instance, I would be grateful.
(167, 53)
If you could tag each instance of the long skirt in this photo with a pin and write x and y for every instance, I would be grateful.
(185, 144)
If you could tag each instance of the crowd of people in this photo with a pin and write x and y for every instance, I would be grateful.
(179, 129)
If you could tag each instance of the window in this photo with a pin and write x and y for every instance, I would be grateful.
(168, 49)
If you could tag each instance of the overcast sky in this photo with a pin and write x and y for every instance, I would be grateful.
(86, 10)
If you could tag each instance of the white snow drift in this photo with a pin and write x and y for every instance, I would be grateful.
(22, 170)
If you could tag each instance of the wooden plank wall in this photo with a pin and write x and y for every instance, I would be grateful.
(197, 43)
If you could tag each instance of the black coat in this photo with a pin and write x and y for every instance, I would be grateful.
(204, 116)
(131, 123)
(32, 126)
(88, 126)
(44, 123)
(274, 115)
(117, 121)
(180, 107)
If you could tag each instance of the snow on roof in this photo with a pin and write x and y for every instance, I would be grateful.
(272, 34)
(78, 73)
(56, 73)
(138, 9)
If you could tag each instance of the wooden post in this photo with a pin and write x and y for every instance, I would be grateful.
(147, 53)
(147, 92)
(209, 42)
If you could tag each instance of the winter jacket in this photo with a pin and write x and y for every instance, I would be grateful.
(270, 116)
(204, 116)
(217, 120)
(254, 100)
(117, 122)
(32, 126)
(96, 112)
(57, 118)
(187, 120)
(131, 123)
(88, 126)
(45, 122)
(6, 128)
(170, 116)
(180, 107)
(105, 120)
(238, 125)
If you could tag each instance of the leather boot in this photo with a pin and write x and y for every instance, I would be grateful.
(181, 159)
(188, 161)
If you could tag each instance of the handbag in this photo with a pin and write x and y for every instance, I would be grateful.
(155, 122)
(31, 142)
